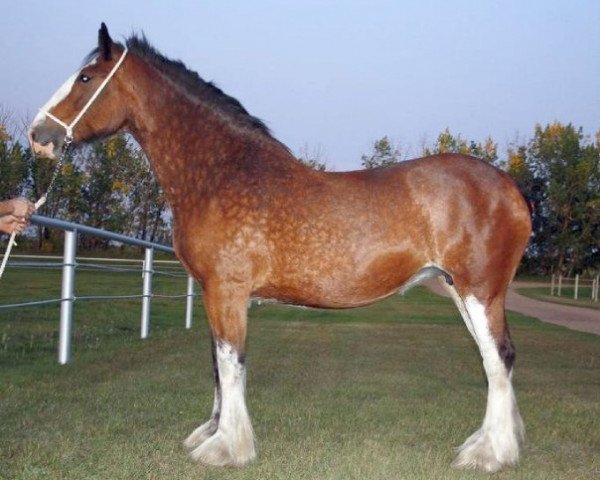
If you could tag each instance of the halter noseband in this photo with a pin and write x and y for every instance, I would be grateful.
(69, 127)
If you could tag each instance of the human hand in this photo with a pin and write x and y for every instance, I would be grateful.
(12, 224)
(22, 208)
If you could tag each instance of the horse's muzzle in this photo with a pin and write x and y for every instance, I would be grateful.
(44, 145)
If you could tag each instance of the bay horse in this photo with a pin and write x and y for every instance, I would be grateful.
(250, 220)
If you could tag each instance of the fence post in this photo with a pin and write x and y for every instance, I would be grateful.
(552, 286)
(147, 271)
(597, 288)
(575, 295)
(189, 302)
(67, 297)
(559, 283)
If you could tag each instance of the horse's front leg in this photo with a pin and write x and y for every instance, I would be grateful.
(227, 438)
(207, 429)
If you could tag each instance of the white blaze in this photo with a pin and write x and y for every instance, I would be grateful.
(58, 97)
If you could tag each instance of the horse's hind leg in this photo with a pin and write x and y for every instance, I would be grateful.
(496, 443)
(227, 438)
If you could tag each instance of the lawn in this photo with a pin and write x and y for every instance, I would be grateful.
(566, 298)
(385, 391)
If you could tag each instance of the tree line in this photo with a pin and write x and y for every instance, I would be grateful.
(110, 185)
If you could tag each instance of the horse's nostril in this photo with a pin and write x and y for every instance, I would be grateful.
(32, 135)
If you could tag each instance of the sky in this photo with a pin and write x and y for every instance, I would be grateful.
(334, 76)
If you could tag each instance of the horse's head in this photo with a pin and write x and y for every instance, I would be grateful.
(89, 105)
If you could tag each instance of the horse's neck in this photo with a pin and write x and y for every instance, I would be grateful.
(192, 146)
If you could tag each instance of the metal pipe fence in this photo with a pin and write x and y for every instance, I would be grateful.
(70, 264)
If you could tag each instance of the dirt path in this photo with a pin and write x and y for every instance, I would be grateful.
(575, 318)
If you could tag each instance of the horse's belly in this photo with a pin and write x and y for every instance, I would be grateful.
(342, 284)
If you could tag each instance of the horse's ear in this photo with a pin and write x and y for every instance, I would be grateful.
(104, 42)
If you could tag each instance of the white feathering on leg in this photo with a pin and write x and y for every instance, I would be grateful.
(233, 442)
(496, 443)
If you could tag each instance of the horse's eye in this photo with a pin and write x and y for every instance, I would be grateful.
(84, 78)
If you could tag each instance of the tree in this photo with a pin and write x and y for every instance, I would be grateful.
(519, 168)
(570, 168)
(384, 153)
(313, 157)
(148, 210)
(105, 186)
(13, 167)
(63, 200)
(108, 184)
(559, 169)
(14, 173)
(449, 143)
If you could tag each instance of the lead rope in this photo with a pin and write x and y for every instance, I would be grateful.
(40, 201)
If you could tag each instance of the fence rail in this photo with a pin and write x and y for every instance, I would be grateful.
(69, 265)
(559, 282)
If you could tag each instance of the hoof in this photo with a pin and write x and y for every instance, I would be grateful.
(482, 452)
(219, 451)
(201, 434)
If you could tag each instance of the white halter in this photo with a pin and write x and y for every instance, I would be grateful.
(69, 128)
(68, 139)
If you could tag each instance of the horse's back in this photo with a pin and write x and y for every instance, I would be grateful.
(445, 190)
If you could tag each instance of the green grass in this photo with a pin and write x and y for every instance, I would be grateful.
(385, 391)
(566, 298)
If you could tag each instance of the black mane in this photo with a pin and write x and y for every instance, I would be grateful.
(194, 85)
